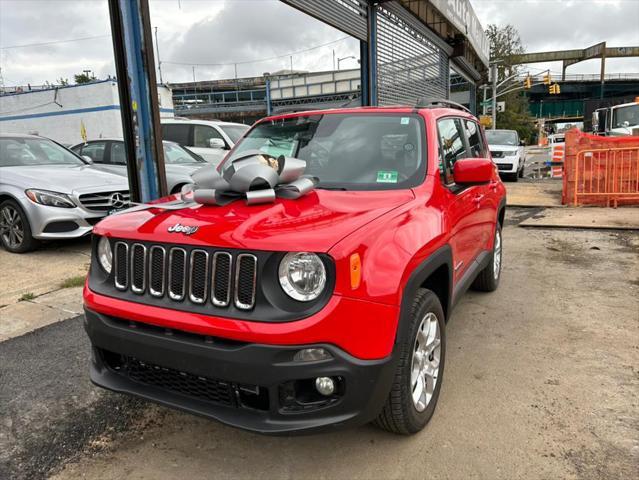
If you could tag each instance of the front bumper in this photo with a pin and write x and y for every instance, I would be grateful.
(256, 387)
(507, 164)
(50, 223)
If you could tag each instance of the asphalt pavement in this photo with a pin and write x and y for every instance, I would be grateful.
(541, 382)
(49, 410)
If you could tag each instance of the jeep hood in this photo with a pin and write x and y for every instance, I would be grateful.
(315, 222)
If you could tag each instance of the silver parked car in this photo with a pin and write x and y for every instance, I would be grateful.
(48, 192)
(109, 155)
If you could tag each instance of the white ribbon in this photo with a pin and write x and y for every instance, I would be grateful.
(254, 175)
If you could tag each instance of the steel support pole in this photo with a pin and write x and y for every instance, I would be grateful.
(363, 69)
(135, 67)
(494, 112)
(371, 44)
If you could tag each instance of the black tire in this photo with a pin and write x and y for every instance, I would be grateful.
(487, 281)
(11, 214)
(521, 172)
(177, 188)
(400, 414)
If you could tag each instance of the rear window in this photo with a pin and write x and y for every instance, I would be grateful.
(348, 151)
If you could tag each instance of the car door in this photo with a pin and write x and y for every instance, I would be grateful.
(96, 151)
(488, 201)
(202, 136)
(461, 201)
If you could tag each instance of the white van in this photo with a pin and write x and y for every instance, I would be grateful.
(210, 139)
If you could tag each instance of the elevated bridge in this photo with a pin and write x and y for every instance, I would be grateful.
(575, 91)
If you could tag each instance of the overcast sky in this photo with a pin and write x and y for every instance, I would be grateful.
(243, 31)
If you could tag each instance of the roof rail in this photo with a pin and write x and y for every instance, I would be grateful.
(427, 102)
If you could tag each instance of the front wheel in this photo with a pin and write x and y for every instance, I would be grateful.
(418, 378)
(15, 232)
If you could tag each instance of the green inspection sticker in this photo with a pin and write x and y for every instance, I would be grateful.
(405, 120)
(387, 176)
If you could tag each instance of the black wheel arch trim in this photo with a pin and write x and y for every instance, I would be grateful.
(443, 256)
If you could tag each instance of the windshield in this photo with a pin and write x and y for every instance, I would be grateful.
(501, 137)
(625, 116)
(234, 132)
(359, 151)
(22, 152)
(174, 154)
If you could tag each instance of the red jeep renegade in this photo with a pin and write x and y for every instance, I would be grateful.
(297, 314)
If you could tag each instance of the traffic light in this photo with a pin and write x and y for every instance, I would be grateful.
(547, 79)
(554, 89)
(527, 82)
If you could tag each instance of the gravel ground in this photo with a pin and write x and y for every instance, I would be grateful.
(541, 382)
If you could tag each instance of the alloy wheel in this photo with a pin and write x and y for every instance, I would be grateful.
(11, 227)
(425, 362)
(497, 255)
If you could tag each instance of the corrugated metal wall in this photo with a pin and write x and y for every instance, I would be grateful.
(411, 61)
(409, 64)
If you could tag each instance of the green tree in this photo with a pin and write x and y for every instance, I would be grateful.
(505, 46)
(83, 77)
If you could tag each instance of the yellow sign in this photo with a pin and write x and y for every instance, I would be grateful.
(83, 131)
(486, 120)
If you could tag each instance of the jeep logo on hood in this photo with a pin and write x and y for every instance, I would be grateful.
(185, 229)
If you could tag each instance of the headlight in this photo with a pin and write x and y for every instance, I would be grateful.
(50, 199)
(302, 276)
(105, 254)
(511, 153)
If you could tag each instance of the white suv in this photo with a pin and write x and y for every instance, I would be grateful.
(508, 153)
(210, 139)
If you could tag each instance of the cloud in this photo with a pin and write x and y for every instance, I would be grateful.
(217, 31)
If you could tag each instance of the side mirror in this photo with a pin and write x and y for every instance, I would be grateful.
(522, 143)
(216, 143)
(87, 159)
(471, 171)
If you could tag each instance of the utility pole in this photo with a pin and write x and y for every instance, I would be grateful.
(193, 67)
(483, 105)
(493, 72)
(157, 50)
(333, 59)
(291, 64)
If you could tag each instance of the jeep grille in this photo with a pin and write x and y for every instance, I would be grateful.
(198, 276)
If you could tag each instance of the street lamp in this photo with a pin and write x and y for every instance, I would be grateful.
(344, 58)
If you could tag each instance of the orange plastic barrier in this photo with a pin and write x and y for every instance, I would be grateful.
(557, 160)
(601, 171)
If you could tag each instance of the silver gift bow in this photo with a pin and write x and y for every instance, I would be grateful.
(254, 175)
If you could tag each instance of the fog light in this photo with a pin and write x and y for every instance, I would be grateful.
(312, 355)
(325, 385)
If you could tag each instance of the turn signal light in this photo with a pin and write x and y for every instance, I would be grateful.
(356, 271)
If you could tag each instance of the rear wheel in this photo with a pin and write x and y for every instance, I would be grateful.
(15, 232)
(488, 278)
(418, 378)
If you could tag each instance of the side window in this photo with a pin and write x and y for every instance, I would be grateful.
(178, 133)
(118, 154)
(202, 134)
(77, 149)
(451, 145)
(95, 151)
(475, 139)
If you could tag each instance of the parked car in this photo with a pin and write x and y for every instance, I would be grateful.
(210, 139)
(508, 152)
(109, 155)
(48, 192)
(302, 314)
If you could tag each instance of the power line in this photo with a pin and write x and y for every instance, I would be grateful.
(42, 44)
(259, 60)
